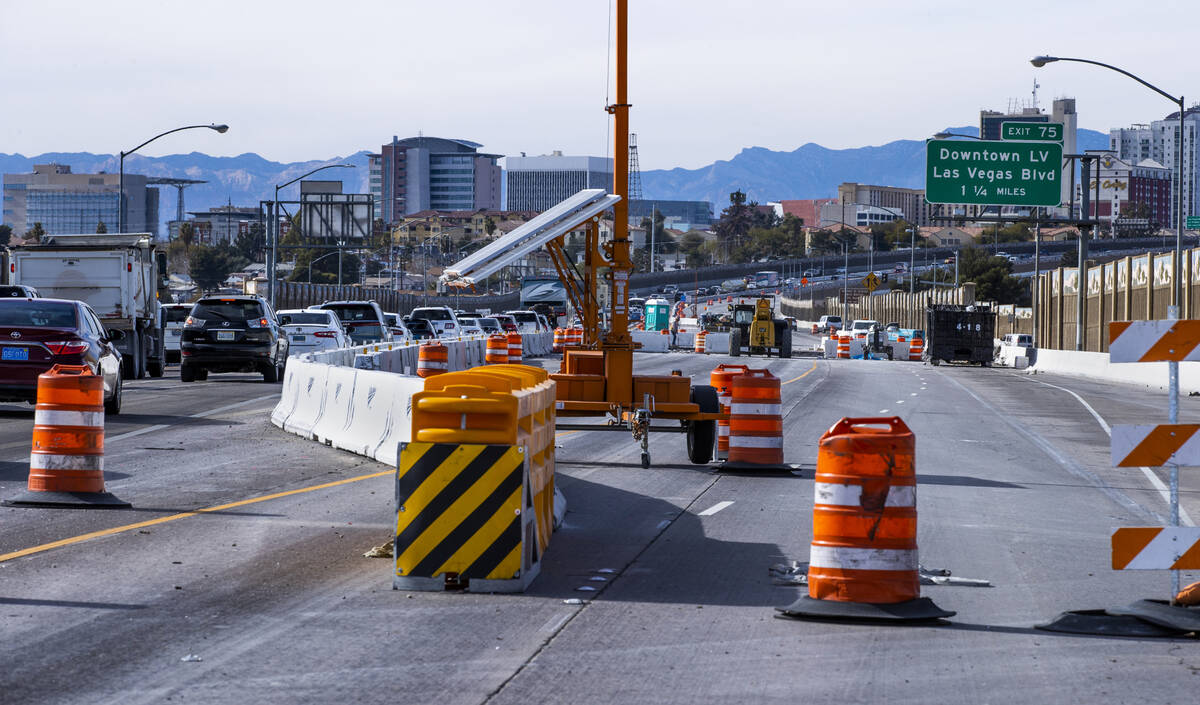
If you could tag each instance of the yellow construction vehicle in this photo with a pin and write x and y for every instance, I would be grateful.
(756, 331)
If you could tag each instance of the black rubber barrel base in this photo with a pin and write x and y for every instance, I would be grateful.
(68, 500)
(921, 609)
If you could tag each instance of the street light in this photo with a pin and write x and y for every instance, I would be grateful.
(948, 135)
(1173, 310)
(121, 178)
(310, 263)
(275, 227)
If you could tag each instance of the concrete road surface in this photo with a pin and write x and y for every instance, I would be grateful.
(267, 598)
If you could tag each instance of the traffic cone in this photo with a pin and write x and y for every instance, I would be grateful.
(66, 463)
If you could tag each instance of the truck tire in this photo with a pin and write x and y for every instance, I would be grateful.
(155, 368)
(141, 356)
(702, 435)
(785, 345)
(735, 342)
(129, 362)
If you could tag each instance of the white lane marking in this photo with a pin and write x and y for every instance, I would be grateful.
(201, 415)
(912, 394)
(553, 625)
(899, 401)
(714, 509)
(883, 411)
(1165, 492)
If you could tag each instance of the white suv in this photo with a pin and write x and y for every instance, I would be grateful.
(440, 318)
(363, 321)
(527, 321)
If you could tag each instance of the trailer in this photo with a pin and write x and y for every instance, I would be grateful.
(119, 275)
(959, 333)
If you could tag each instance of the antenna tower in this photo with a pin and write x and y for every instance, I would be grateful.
(635, 173)
(1035, 87)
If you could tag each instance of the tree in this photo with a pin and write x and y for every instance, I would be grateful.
(101, 227)
(693, 247)
(489, 225)
(209, 266)
(5, 234)
(36, 233)
(735, 222)
(992, 276)
(250, 244)
(187, 234)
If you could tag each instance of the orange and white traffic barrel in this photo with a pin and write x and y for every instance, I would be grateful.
(432, 359)
(66, 463)
(496, 352)
(916, 350)
(721, 379)
(514, 348)
(560, 339)
(756, 419)
(814, 329)
(863, 559)
(843, 347)
(574, 337)
(701, 337)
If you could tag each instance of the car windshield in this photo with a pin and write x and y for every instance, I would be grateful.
(431, 314)
(176, 314)
(48, 314)
(304, 317)
(227, 310)
(353, 312)
(524, 317)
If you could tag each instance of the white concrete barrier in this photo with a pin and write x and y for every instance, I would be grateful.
(717, 343)
(338, 414)
(310, 397)
(1152, 375)
(652, 341)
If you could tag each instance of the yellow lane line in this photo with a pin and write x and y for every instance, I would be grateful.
(797, 379)
(183, 515)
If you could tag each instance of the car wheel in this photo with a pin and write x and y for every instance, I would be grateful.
(202, 375)
(187, 373)
(112, 407)
(270, 374)
(155, 368)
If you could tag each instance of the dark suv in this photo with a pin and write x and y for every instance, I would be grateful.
(232, 334)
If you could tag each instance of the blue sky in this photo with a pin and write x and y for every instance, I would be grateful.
(305, 80)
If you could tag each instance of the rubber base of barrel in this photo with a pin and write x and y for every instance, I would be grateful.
(729, 466)
(68, 500)
(1145, 618)
(921, 609)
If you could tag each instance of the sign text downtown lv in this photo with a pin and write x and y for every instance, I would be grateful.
(993, 173)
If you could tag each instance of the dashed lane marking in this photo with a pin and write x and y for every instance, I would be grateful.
(714, 509)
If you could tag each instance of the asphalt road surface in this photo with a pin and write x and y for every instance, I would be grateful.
(238, 576)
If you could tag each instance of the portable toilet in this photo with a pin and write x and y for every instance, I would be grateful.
(657, 313)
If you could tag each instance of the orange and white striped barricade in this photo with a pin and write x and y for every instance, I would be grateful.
(843, 347)
(755, 422)
(721, 379)
(701, 337)
(66, 463)
(496, 352)
(514, 348)
(574, 337)
(560, 339)
(916, 350)
(863, 560)
(433, 358)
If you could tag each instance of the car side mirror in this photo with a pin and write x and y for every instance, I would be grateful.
(114, 335)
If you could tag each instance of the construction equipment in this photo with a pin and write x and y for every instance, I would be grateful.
(597, 379)
(756, 330)
(959, 334)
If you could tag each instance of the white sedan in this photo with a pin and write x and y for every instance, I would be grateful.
(313, 330)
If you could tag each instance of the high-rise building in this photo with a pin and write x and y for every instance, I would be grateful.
(423, 173)
(1159, 141)
(540, 183)
(76, 203)
(1145, 187)
(1062, 111)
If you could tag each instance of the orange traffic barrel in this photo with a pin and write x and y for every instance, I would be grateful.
(560, 339)
(814, 329)
(574, 337)
(514, 348)
(66, 463)
(756, 419)
(701, 337)
(721, 379)
(916, 350)
(432, 359)
(863, 559)
(496, 352)
(843, 347)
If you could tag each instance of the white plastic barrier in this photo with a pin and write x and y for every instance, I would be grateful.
(829, 348)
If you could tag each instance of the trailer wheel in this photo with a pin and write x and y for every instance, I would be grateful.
(735, 342)
(702, 435)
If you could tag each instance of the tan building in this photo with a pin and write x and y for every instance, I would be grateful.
(909, 201)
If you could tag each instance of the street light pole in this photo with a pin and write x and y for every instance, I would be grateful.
(274, 235)
(121, 169)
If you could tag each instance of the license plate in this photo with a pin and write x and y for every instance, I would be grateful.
(11, 353)
(173, 333)
(226, 335)
(299, 338)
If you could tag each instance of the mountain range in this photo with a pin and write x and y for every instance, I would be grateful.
(810, 171)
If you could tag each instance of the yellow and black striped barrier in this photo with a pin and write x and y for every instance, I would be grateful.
(465, 518)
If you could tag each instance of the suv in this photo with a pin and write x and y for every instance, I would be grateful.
(364, 321)
(441, 318)
(19, 291)
(507, 322)
(236, 333)
(829, 323)
(527, 321)
(419, 328)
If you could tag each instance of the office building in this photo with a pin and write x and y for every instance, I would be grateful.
(1158, 141)
(1143, 189)
(67, 203)
(219, 225)
(871, 205)
(808, 210)
(424, 173)
(540, 183)
(1062, 111)
(679, 215)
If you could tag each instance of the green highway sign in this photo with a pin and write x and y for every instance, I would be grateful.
(1193, 221)
(993, 173)
(1032, 131)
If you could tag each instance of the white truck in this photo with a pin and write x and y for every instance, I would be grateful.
(118, 275)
